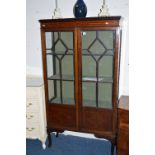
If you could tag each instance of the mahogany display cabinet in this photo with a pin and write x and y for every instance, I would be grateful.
(81, 73)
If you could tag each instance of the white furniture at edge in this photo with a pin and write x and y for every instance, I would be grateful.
(35, 110)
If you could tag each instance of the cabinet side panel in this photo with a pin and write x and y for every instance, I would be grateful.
(117, 43)
(44, 65)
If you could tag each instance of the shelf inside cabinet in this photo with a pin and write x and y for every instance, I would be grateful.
(85, 52)
(84, 79)
(64, 77)
(51, 52)
(65, 100)
(100, 79)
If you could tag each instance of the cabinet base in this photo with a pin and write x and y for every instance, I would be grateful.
(49, 131)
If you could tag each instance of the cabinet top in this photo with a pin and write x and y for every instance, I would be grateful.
(113, 21)
(82, 19)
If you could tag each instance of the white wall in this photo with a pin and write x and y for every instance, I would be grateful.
(43, 9)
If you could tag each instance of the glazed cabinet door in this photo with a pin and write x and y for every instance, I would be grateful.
(60, 85)
(97, 70)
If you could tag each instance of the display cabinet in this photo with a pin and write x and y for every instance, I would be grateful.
(81, 74)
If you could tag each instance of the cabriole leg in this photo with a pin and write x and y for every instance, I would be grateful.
(57, 134)
(49, 138)
(112, 146)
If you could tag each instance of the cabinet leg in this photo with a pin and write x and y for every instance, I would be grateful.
(49, 139)
(112, 147)
(58, 131)
(57, 134)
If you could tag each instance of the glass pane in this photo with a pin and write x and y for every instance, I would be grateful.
(97, 48)
(49, 59)
(87, 38)
(60, 74)
(59, 47)
(59, 42)
(67, 39)
(106, 66)
(88, 66)
(105, 95)
(89, 95)
(51, 89)
(107, 38)
(63, 42)
(55, 93)
(48, 40)
(97, 68)
(67, 65)
(68, 92)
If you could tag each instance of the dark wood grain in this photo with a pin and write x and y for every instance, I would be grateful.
(79, 44)
(76, 59)
(92, 119)
(62, 116)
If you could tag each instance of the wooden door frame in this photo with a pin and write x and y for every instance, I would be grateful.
(116, 64)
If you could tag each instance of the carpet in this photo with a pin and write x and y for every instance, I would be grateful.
(70, 145)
